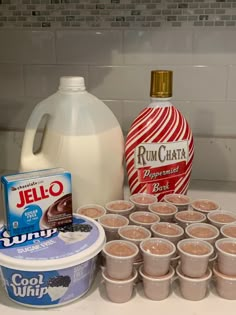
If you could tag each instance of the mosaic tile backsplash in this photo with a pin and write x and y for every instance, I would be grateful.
(116, 13)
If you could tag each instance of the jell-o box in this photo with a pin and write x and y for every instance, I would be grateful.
(37, 200)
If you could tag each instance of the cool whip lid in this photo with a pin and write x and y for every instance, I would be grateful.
(55, 249)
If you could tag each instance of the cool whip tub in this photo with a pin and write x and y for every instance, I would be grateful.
(51, 267)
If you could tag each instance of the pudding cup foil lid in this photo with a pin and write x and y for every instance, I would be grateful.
(52, 249)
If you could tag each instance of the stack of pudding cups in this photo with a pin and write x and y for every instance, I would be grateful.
(119, 275)
(156, 271)
(193, 271)
(225, 268)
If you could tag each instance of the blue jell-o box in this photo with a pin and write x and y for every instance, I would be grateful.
(37, 200)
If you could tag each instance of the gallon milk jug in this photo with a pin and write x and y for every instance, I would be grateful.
(159, 147)
(81, 135)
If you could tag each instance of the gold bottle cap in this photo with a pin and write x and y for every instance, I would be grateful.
(161, 83)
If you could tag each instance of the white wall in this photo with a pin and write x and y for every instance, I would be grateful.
(116, 66)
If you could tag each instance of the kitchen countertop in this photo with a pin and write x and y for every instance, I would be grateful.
(95, 301)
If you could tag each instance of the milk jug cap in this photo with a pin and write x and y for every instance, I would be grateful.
(72, 83)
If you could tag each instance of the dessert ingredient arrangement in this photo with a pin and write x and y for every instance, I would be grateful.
(65, 215)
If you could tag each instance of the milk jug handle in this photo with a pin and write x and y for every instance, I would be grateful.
(31, 129)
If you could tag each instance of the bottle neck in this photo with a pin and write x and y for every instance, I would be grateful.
(160, 102)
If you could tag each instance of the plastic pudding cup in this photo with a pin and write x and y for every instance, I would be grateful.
(205, 205)
(181, 201)
(226, 250)
(228, 230)
(57, 266)
(123, 207)
(120, 256)
(119, 291)
(111, 224)
(134, 234)
(92, 211)
(143, 218)
(164, 210)
(225, 285)
(200, 231)
(194, 289)
(169, 231)
(219, 218)
(142, 201)
(194, 257)
(184, 218)
(157, 254)
(157, 288)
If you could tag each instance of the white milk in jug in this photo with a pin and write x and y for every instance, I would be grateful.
(83, 136)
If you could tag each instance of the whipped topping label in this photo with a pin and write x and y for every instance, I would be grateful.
(52, 243)
(49, 287)
(35, 201)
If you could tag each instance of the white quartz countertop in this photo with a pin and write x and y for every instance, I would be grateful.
(95, 301)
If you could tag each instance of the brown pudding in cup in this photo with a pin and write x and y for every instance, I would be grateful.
(181, 201)
(184, 218)
(221, 217)
(111, 224)
(169, 231)
(143, 218)
(92, 211)
(164, 210)
(205, 205)
(203, 231)
(142, 201)
(123, 207)
(229, 230)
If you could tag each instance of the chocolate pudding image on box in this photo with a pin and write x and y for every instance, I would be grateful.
(169, 231)
(194, 257)
(202, 231)
(228, 230)
(205, 205)
(120, 256)
(92, 211)
(166, 211)
(59, 213)
(157, 254)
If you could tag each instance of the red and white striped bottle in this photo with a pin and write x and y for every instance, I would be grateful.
(159, 147)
